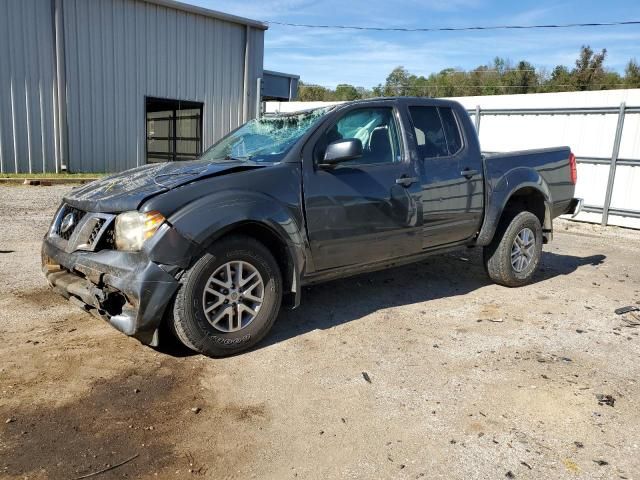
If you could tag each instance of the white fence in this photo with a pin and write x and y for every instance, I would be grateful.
(602, 129)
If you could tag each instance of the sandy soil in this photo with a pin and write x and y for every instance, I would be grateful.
(467, 379)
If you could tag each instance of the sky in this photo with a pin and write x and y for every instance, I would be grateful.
(330, 57)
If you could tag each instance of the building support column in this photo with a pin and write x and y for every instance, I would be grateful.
(247, 83)
(612, 166)
(60, 93)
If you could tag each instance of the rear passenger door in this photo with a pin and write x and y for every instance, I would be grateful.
(450, 175)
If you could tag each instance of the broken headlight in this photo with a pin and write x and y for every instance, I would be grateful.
(133, 228)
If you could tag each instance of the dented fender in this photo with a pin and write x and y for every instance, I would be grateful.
(206, 210)
(501, 189)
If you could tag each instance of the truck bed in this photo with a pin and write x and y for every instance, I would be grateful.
(501, 170)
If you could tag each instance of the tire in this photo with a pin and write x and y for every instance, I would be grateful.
(498, 254)
(195, 328)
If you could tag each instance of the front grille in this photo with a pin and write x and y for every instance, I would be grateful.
(93, 236)
(108, 240)
(69, 219)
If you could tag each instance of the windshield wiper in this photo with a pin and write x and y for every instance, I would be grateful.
(240, 158)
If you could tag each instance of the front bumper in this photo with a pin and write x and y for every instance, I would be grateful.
(126, 289)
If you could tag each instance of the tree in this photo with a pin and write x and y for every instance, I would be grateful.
(522, 79)
(378, 91)
(397, 83)
(589, 71)
(632, 74)
(560, 80)
(312, 93)
(497, 77)
(346, 92)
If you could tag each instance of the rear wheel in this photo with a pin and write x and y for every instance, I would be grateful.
(229, 299)
(513, 256)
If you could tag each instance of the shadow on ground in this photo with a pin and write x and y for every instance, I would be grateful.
(107, 426)
(342, 301)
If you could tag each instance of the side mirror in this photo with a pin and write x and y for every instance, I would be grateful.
(342, 151)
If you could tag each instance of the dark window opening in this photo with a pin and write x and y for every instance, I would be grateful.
(374, 127)
(451, 130)
(174, 130)
(429, 132)
(437, 131)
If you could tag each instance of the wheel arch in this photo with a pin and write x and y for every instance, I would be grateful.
(276, 243)
(256, 215)
(528, 192)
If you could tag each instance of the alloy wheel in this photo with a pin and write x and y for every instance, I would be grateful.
(523, 250)
(233, 296)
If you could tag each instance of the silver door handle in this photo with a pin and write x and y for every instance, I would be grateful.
(468, 173)
(407, 181)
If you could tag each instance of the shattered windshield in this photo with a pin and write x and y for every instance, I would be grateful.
(267, 139)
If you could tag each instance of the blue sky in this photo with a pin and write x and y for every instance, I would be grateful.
(329, 57)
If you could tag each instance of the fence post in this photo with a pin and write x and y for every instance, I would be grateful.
(477, 119)
(612, 165)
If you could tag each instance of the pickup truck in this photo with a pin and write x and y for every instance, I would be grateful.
(209, 249)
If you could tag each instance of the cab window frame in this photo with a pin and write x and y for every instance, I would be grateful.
(458, 126)
(399, 130)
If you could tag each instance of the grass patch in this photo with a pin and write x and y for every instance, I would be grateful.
(52, 175)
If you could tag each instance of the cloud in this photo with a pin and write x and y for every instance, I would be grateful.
(332, 56)
(354, 12)
(260, 9)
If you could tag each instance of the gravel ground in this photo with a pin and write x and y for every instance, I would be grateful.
(466, 379)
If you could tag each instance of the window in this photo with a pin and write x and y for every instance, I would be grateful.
(451, 130)
(265, 139)
(174, 130)
(437, 132)
(375, 128)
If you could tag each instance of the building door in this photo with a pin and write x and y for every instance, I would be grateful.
(174, 130)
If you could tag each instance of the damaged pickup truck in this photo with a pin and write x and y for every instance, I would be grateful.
(210, 249)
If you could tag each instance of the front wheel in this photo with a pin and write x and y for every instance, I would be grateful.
(229, 298)
(513, 256)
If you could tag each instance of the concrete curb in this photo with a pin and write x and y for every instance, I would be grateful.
(45, 182)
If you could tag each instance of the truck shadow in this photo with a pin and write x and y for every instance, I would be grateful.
(342, 301)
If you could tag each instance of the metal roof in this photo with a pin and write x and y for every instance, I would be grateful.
(281, 74)
(186, 7)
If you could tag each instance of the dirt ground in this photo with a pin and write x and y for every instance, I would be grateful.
(467, 379)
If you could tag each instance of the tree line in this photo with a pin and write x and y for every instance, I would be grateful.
(497, 78)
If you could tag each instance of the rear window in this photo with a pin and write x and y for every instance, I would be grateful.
(429, 132)
(437, 131)
(451, 130)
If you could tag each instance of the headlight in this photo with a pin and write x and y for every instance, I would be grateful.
(133, 228)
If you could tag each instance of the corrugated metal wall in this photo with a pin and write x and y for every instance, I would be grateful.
(588, 136)
(120, 51)
(113, 54)
(28, 93)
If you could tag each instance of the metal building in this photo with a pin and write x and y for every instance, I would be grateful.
(280, 87)
(106, 85)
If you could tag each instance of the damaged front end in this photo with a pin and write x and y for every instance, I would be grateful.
(128, 289)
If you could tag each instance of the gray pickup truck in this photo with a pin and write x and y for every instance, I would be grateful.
(210, 249)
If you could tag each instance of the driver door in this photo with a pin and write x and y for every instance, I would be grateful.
(363, 210)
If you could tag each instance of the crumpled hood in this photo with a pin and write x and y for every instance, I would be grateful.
(127, 190)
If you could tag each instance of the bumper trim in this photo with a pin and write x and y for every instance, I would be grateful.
(99, 302)
(575, 207)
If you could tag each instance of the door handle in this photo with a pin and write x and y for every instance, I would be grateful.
(468, 173)
(407, 181)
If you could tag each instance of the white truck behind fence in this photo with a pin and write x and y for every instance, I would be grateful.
(602, 128)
